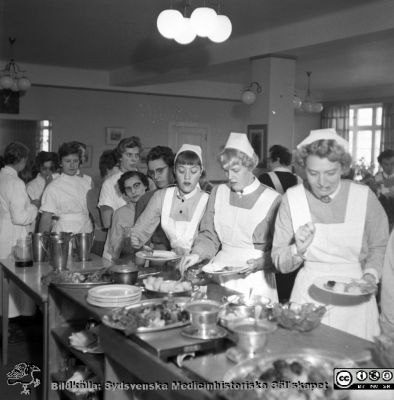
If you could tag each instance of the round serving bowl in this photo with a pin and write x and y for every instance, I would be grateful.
(203, 314)
(124, 274)
(301, 317)
(252, 334)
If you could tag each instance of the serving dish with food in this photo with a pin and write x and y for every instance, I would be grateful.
(78, 279)
(303, 368)
(149, 316)
(300, 317)
(158, 255)
(345, 285)
(237, 307)
(160, 287)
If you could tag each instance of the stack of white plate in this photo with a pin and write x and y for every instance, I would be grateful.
(114, 295)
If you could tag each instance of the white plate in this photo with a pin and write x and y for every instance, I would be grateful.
(111, 301)
(217, 269)
(158, 255)
(114, 291)
(111, 305)
(321, 283)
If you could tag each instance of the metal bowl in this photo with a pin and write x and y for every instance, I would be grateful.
(203, 314)
(124, 274)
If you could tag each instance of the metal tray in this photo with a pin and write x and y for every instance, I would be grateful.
(181, 301)
(76, 285)
(308, 358)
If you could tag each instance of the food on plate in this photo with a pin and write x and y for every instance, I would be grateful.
(352, 287)
(158, 315)
(292, 378)
(301, 317)
(77, 277)
(158, 284)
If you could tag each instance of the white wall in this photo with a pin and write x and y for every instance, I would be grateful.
(83, 115)
(303, 124)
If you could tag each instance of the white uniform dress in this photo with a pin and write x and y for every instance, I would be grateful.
(242, 226)
(181, 233)
(335, 251)
(16, 215)
(65, 197)
(179, 215)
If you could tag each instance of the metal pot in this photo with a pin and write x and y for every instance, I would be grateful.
(60, 248)
(83, 245)
(124, 274)
(203, 314)
(252, 335)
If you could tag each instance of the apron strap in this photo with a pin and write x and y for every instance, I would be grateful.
(299, 208)
(197, 215)
(166, 208)
(275, 180)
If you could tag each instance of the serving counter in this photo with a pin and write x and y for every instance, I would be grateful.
(139, 359)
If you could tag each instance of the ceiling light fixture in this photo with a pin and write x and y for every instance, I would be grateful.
(309, 104)
(12, 77)
(248, 96)
(203, 22)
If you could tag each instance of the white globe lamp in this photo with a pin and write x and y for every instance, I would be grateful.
(223, 29)
(169, 23)
(186, 34)
(203, 20)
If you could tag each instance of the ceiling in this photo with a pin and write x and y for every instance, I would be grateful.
(120, 37)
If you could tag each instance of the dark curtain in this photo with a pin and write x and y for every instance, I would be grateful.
(336, 116)
(387, 138)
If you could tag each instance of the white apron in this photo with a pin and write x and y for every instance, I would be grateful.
(181, 233)
(235, 227)
(335, 250)
(276, 182)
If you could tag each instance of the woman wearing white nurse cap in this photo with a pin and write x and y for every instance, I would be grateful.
(324, 134)
(332, 227)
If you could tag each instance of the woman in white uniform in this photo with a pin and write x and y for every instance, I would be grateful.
(178, 208)
(239, 221)
(16, 214)
(337, 228)
(65, 197)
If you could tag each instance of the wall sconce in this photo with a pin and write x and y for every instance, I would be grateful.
(249, 94)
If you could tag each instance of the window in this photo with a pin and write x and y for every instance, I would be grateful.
(365, 124)
(45, 136)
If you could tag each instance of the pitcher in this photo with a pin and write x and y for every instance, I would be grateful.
(22, 252)
(83, 245)
(60, 249)
(40, 243)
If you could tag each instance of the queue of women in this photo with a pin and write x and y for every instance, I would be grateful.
(326, 225)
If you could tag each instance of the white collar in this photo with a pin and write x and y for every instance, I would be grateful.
(187, 196)
(387, 176)
(334, 194)
(281, 169)
(250, 188)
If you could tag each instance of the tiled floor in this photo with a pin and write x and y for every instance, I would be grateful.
(26, 347)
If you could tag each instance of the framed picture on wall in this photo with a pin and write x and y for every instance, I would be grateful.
(257, 135)
(88, 157)
(114, 135)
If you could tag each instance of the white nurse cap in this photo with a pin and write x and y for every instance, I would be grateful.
(324, 134)
(239, 141)
(190, 147)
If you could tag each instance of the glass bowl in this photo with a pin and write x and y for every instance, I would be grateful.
(301, 317)
(383, 351)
